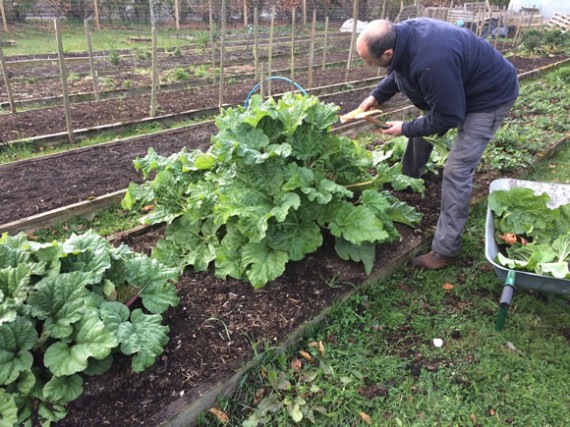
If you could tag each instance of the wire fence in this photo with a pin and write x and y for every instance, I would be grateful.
(193, 12)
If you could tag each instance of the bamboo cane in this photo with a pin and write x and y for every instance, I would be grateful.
(270, 52)
(3, 13)
(293, 13)
(352, 39)
(154, 74)
(222, 51)
(312, 51)
(325, 47)
(7, 80)
(91, 61)
(63, 72)
(177, 14)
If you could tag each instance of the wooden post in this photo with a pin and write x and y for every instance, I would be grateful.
(499, 23)
(245, 13)
(63, 73)
(212, 44)
(152, 15)
(293, 13)
(304, 14)
(383, 13)
(177, 14)
(256, 40)
(352, 39)
(154, 74)
(447, 12)
(7, 80)
(96, 11)
(531, 16)
(515, 41)
(312, 51)
(270, 51)
(3, 13)
(91, 62)
(400, 11)
(222, 48)
(325, 47)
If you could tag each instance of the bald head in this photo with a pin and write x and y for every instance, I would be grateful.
(376, 43)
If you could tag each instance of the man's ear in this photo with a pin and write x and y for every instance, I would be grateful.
(389, 52)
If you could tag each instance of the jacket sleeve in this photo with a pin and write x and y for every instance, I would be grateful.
(386, 89)
(442, 86)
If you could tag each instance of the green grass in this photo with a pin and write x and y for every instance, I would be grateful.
(380, 360)
(26, 150)
(106, 222)
(39, 38)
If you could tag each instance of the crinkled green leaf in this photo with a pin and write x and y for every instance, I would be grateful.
(16, 340)
(296, 238)
(557, 269)
(63, 389)
(143, 336)
(92, 339)
(60, 301)
(263, 263)
(98, 367)
(228, 256)
(365, 252)
(135, 194)
(26, 382)
(88, 252)
(8, 409)
(14, 282)
(112, 314)
(154, 282)
(188, 243)
(357, 224)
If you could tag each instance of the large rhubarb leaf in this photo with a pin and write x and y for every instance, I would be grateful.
(144, 336)
(91, 339)
(357, 224)
(365, 252)
(16, 340)
(60, 301)
(8, 409)
(263, 263)
(63, 389)
(154, 283)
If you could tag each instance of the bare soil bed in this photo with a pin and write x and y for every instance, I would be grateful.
(43, 184)
(27, 124)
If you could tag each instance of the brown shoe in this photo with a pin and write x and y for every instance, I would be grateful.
(432, 261)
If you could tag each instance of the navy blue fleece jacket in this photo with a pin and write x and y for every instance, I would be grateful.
(446, 71)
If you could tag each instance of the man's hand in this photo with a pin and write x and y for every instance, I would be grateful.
(395, 128)
(368, 103)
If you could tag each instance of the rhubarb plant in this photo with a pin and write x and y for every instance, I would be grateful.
(272, 182)
(65, 309)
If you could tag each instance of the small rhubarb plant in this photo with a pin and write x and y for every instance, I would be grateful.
(272, 182)
(65, 309)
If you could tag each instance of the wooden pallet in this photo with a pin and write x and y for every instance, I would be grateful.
(559, 22)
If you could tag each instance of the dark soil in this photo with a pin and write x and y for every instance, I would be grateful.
(27, 124)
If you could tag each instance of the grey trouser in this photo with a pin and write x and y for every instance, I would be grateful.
(472, 138)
